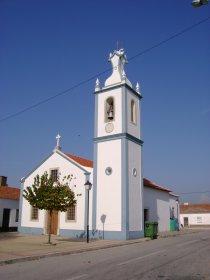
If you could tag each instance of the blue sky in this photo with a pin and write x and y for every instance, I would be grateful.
(49, 46)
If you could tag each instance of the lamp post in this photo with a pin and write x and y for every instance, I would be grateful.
(198, 3)
(177, 209)
(88, 187)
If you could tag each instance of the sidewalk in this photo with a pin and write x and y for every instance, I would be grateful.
(16, 247)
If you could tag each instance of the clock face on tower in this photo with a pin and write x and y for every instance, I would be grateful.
(109, 127)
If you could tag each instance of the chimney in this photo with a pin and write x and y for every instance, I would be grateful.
(3, 181)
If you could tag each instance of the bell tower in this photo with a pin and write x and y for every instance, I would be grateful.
(118, 182)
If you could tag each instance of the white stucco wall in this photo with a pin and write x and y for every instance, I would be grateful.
(11, 204)
(135, 187)
(65, 167)
(109, 186)
(157, 202)
(196, 219)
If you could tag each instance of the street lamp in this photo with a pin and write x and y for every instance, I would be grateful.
(88, 187)
(198, 3)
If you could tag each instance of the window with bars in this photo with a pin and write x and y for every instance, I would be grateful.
(34, 213)
(71, 213)
(54, 175)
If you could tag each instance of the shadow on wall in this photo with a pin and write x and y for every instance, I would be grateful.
(103, 219)
(95, 233)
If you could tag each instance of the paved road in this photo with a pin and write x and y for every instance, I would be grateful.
(176, 258)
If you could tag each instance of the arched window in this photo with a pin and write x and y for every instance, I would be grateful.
(133, 111)
(109, 109)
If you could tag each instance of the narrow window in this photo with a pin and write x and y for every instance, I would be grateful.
(109, 109)
(133, 111)
(71, 214)
(16, 215)
(54, 174)
(34, 213)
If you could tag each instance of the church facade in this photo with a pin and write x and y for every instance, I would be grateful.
(117, 205)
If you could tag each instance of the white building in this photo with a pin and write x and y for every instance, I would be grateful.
(117, 198)
(72, 222)
(9, 206)
(195, 215)
(160, 205)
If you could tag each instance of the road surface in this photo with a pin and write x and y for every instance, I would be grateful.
(183, 257)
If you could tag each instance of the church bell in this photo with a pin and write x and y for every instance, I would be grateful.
(110, 115)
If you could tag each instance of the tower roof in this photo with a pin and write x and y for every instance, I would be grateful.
(118, 76)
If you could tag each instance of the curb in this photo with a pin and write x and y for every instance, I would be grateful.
(71, 252)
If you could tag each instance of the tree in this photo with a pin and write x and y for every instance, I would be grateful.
(49, 195)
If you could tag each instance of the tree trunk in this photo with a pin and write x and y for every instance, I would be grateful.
(49, 233)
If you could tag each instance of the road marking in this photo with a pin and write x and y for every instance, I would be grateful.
(142, 257)
(187, 243)
(78, 277)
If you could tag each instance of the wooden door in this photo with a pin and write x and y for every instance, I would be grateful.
(54, 222)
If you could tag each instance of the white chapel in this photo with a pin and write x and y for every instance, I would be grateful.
(120, 199)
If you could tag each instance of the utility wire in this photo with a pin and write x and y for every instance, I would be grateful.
(52, 97)
(103, 72)
(194, 192)
(170, 38)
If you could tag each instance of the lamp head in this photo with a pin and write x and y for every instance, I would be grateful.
(198, 3)
(88, 185)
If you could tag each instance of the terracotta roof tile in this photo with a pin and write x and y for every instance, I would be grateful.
(9, 193)
(195, 208)
(150, 184)
(82, 161)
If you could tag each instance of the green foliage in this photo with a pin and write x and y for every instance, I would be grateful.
(48, 195)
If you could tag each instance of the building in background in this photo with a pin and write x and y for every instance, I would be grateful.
(195, 215)
(161, 205)
(9, 206)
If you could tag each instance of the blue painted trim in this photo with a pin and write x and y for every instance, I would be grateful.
(124, 109)
(72, 233)
(31, 230)
(96, 117)
(119, 86)
(119, 235)
(124, 188)
(24, 178)
(136, 234)
(95, 170)
(72, 161)
(119, 136)
(61, 154)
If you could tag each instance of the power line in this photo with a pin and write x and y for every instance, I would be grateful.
(194, 192)
(53, 97)
(103, 72)
(170, 38)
